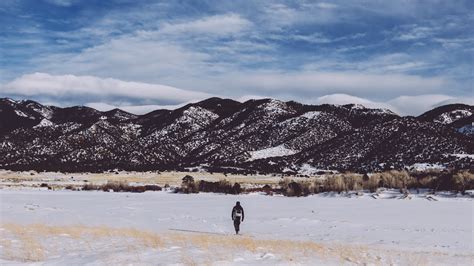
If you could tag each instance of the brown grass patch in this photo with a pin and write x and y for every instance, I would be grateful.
(32, 242)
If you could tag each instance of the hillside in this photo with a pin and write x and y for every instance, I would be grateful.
(224, 135)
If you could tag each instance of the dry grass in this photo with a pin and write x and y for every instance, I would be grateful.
(402, 180)
(29, 238)
(36, 242)
(162, 178)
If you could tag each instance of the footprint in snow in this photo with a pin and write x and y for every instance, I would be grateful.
(31, 206)
(266, 256)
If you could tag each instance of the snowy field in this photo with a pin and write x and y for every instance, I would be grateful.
(160, 228)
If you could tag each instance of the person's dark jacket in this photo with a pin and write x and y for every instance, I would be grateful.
(234, 211)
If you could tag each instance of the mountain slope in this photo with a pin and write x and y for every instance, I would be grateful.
(221, 134)
(459, 116)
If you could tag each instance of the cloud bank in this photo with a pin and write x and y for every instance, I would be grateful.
(133, 97)
(70, 86)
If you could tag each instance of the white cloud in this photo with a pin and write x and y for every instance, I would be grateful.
(340, 98)
(324, 5)
(415, 33)
(304, 83)
(134, 109)
(402, 105)
(393, 63)
(276, 16)
(132, 57)
(42, 84)
(219, 25)
(112, 93)
(64, 3)
(312, 38)
(308, 87)
(416, 105)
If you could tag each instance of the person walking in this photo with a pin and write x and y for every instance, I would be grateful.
(237, 216)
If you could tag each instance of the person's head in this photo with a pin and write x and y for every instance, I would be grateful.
(237, 203)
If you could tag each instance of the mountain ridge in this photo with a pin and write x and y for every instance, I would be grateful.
(264, 135)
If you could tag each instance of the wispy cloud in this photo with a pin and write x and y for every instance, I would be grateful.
(216, 25)
(415, 33)
(64, 3)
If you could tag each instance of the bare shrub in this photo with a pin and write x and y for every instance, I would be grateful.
(334, 183)
(90, 187)
(284, 183)
(267, 189)
(120, 187)
(397, 179)
(114, 186)
(221, 186)
(352, 181)
(152, 188)
(372, 183)
(188, 185)
(307, 187)
(236, 188)
(318, 186)
(294, 189)
(462, 181)
(135, 189)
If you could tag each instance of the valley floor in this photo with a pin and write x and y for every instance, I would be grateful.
(93, 227)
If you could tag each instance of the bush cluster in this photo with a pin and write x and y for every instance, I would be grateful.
(222, 186)
(402, 180)
(188, 185)
(458, 181)
(121, 187)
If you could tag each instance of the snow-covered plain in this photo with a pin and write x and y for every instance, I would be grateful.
(84, 227)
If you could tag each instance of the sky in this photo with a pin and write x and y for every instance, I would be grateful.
(408, 56)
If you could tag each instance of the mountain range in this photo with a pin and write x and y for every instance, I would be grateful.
(265, 135)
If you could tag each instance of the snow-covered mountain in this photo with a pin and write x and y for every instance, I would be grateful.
(459, 116)
(224, 135)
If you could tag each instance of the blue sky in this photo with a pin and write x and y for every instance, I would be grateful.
(139, 55)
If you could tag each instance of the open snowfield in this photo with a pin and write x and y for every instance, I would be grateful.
(84, 227)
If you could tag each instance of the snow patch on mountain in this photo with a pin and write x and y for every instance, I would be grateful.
(43, 110)
(276, 107)
(307, 169)
(44, 123)
(122, 116)
(197, 114)
(426, 166)
(195, 118)
(462, 155)
(311, 115)
(453, 116)
(277, 151)
(357, 106)
(20, 113)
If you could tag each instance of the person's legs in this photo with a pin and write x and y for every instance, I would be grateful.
(237, 225)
